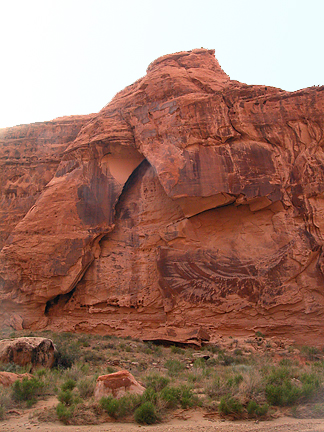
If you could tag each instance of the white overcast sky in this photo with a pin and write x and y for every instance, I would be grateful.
(71, 57)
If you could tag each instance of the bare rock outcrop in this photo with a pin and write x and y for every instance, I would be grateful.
(191, 206)
(117, 385)
(37, 351)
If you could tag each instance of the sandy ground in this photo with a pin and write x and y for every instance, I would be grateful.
(23, 421)
(192, 425)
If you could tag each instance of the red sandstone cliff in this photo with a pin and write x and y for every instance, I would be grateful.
(190, 206)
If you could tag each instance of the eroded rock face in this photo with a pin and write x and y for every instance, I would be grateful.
(191, 206)
(37, 351)
(117, 385)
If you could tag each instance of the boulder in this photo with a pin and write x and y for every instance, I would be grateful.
(8, 378)
(37, 351)
(117, 385)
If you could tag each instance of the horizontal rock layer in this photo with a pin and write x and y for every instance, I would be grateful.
(189, 207)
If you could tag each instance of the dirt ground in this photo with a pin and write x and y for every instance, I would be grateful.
(195, 422)
(192, 425)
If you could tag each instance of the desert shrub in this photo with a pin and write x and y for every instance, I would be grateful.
(66, 397)
(310, 353)
(213, 348)
(67, 353)
(64, 413)
(199, 363)
(110, 405)
(69, 384)
(310, 384)
(234, 381)
(227, 360)
(230, 406)
(150, 395)
(86, 387)
(278, 376)
(286, 362)
(194, 377)
(256, 410)
(317, 410)
(284, 394)
(41, 372)
(174, 367)
(176, 350)
(183, 395)
(15, 368)
(214, 388)
(5, 400)
(2, 413)
(94, 357)
(156, 382)
(120, 408)
(283, 390)
(259, 334)
(74, 373)
(211, 362)
(187, 398)
(171, 396)
(127, 404)
(146, 414)
(27, 390)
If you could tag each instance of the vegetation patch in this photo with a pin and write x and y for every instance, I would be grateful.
(234, 381)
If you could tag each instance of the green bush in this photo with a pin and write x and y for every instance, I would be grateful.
(67, 353)
(310, 385)
(120, 408)
(27, 390)
(150, 395)
(127, 404)
(66, 397)
(284, 394)
(230, 406)
(146, 414)
(69, 384)
(171, 395)
(256, 410)
(111, 406)
(187, 398)
(156, 382)
(183, 396)
(282, 389)
(278, 376)
(64, 413)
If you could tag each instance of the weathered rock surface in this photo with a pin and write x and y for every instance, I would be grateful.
(190, 206)
(117, 385)
(37, 351)
(8, 378)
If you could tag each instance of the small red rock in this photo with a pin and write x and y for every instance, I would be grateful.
(117, 385)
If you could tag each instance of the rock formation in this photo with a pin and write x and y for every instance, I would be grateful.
(36, 351)
(117, 385)
(191, 206)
